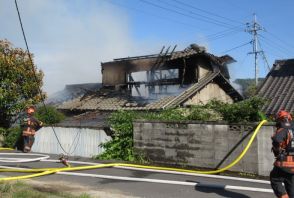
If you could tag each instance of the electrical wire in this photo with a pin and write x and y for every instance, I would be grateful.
(275, 44)
(274, 47)
(239, 46)
(286, 44)
(220, 36)
(196, 14)
(263, 56)
(183, 14)
(76, 139)
(206, 12)
(226, 31)
(156, 15)
(273, 51)
(34, 72)
(215, 36)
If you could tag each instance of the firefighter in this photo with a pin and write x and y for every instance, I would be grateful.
(29, 127)
(282, 175)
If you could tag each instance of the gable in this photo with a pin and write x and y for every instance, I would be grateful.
(207, 93)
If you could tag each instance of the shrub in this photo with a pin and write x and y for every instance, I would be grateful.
(121, 122)
(121, 145)
(244, 111)
(10, 135)
(49, 115)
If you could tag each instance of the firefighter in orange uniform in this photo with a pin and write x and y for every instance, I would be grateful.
(29, 127)
(282, 175)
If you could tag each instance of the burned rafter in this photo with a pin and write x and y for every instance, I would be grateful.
(160, 82)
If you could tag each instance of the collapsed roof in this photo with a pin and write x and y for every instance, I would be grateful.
(171, 79)
(189, 62)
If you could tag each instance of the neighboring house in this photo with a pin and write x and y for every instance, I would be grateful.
(278, 87)
(160, 81)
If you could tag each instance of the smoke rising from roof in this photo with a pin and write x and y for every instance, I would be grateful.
(70, 39)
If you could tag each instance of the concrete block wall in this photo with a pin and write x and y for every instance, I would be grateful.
(204, 145)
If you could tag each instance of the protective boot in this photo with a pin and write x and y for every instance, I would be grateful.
(26, 149)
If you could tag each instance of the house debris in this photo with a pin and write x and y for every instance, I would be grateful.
(278, 87)
(159, 81)
(71, 92)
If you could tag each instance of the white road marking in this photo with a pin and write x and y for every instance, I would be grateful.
(242, 188)
(173, 172)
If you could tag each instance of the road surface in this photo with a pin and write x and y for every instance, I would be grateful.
(125, 182)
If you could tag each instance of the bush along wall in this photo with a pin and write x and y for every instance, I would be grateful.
(121, 145)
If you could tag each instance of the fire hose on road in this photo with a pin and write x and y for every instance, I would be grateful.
(47, 171)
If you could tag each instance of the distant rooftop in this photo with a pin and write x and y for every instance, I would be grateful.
(278, 87)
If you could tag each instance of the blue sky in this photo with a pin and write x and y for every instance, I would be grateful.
(71, 38)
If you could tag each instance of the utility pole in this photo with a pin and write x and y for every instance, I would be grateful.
(253, 29)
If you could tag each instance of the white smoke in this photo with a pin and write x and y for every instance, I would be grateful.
(70, 38)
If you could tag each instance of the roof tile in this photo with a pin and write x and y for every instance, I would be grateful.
(278, 87)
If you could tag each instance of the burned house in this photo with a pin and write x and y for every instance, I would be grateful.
(278, 87)
(165, 80)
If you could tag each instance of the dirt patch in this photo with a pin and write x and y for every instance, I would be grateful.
(67, 187)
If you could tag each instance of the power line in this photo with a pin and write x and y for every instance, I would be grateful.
(226, 30)
(263, 56)
(211, 37)
(34, 72)
(282, 41)
(277, 45)
(219, 36)
(239, 46)
(207, 12)
(200, 15)
(180, 13)
(156, 15)
(274, 49)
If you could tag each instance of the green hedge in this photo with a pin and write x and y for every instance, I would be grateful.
(121, 145)
(10, 135)
(49, 115)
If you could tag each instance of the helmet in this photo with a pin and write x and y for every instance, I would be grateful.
(283, 115)
(31, 109)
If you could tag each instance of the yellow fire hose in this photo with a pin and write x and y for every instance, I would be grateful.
(47, 171)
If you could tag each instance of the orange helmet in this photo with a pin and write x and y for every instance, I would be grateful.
(31, 109)
(283, 115)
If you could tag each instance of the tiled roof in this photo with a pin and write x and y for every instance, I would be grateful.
(160, 103)
(116, 101)
(94, 119)
(95, 102)
(72, 91)
(278, 87)
(190, 52)
(110, 103)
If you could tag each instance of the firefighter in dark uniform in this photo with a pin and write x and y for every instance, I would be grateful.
(29, 126)
(282, 175)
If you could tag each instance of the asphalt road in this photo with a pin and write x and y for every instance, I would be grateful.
(155, 185)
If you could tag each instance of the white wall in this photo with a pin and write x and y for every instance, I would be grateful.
(76, 141)
(209, 92)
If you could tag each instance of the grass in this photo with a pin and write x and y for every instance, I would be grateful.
(23, 190)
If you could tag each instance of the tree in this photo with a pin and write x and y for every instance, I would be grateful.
(19, 86)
